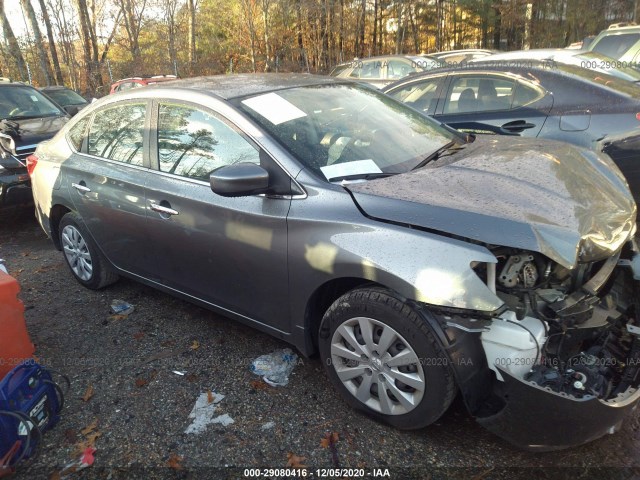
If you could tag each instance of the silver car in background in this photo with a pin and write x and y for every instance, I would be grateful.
(416, 261)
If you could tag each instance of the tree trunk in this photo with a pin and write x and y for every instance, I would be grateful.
(265, 23)
(192, 34)
(497, 26)
(301, 60)
(12, 43)
(43, 58)
(375, 27)
(363, 18)
(52, 43)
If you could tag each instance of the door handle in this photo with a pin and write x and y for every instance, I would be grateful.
(166, 210)
(81, 188)
(517, 126)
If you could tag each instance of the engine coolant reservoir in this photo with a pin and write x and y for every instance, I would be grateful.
(510, 346)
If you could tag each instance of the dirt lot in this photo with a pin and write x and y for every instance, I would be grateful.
(141, 406)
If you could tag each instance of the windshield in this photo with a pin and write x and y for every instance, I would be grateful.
(18, 102)
(341, 130)
(65, 97)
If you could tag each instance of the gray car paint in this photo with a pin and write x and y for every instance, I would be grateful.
(328, 237)
(569, 204)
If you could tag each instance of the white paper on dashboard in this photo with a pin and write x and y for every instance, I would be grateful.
(358, 167)
(274, 108)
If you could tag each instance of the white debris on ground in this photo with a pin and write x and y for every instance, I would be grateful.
(275, 368)
(203, 414)
(268, 426)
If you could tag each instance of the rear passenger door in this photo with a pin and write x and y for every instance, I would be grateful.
(106, 178)
(487, 103)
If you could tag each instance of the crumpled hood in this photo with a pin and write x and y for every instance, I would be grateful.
(570, 204)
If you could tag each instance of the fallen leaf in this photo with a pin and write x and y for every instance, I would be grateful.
(192, 377)
(141, 382)
(210, 396)
(329, 439)
(258, 385)
(138, 335)
(294, 461)
(88, 393)
(90, 428)
(117, 317)
(174, 462)
(195, 345)
(91, 438)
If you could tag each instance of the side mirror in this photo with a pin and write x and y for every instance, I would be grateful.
(71, 109)
(239, 180)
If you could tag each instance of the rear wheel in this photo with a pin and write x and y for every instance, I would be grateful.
(383, 358)
(83, 257)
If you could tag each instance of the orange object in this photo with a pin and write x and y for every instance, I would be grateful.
(15, 344)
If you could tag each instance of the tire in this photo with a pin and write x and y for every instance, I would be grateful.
(353, 363)
(85, 260)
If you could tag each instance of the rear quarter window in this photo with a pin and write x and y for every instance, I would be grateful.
(77, 133)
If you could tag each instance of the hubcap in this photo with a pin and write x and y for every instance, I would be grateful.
(378, 366)
(77, 253)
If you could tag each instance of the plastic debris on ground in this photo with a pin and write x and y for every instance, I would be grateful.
(268, 426)
(203, 413)
(120, 307)
(85, 460)
(275, 367)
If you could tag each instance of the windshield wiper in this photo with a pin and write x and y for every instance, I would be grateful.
(449, 147)
(360, 176)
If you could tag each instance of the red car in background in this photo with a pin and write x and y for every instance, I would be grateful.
(142, 81)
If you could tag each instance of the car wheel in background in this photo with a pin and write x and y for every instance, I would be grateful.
(383, 358)
(83, 257)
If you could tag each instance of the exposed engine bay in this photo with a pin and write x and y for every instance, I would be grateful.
(575, 332)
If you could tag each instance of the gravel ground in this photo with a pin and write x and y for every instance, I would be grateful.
(140, 408)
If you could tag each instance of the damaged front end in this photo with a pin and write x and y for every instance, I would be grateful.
(559, 364)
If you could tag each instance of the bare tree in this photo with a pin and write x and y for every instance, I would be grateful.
(132, 16)
(12, 43)
(52, 44)
(43, 58)
(191, 8)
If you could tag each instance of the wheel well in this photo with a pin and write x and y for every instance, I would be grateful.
(321, 300)
(57, 212)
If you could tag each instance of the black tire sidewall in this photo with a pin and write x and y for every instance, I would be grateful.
(439, 385)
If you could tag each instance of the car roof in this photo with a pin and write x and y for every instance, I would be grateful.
(54, 87)
(380, 57)
(240, 85)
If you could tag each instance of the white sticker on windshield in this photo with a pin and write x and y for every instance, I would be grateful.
(359, 167)
(34, 98)
(274, 108)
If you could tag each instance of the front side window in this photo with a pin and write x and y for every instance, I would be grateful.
(117, 133)
(192, 143)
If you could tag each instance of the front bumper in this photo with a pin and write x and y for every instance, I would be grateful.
(536, 418)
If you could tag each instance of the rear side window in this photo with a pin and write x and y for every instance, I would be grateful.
(77, 133)
(117, 133)
(192, 143)
(399, 69)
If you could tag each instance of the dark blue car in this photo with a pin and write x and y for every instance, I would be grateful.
(533, 99)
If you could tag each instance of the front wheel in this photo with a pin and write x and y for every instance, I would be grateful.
(383, 358)
(86, 262)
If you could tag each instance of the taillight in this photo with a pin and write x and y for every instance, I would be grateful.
(32, 161)
(637, 116)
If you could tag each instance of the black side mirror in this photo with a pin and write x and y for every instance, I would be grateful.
(71, 109)
(239, 180)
